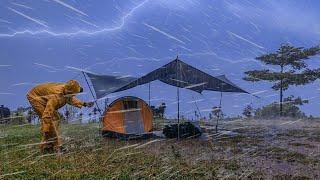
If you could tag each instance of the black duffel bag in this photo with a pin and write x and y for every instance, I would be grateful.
(187, 129)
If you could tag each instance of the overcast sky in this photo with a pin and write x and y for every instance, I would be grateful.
(48, 40)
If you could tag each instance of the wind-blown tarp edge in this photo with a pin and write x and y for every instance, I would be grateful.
(226, 80)
(106, 84)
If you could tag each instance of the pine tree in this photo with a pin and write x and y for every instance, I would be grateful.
(292, 68)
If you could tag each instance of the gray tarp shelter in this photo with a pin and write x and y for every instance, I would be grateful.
(176, 73)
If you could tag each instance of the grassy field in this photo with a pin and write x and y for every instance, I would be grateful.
(271, 149)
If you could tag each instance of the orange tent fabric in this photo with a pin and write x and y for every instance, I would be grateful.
(146, 116)
(115, 117)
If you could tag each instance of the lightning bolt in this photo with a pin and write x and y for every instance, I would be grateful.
(80, 32)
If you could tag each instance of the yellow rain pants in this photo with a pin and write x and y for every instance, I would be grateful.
(46, 99)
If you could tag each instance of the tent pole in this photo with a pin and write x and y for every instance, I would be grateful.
(95, 100)
(220, 111)
(195, 102)
(149, 93)
(220, 99)
(178, 95)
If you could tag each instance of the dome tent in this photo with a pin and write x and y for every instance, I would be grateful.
(127, 117)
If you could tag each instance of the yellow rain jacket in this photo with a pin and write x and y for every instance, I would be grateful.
(46, 99)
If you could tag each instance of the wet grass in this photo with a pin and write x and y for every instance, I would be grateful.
(90, 156)
(288, 176)
(298, 144)
(281, 154)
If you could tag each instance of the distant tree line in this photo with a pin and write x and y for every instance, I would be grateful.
(23, 115)
(18, 116)
(4, 114)
(290, 109)
(159, 111)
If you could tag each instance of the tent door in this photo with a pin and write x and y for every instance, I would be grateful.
(132, 119)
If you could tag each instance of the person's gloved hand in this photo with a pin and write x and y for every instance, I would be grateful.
(88, 104)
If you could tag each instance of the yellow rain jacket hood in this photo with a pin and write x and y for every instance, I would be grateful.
(73, 87)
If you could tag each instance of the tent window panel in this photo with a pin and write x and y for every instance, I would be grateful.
(130, 104)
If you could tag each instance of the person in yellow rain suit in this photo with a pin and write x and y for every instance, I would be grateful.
(46, 99)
